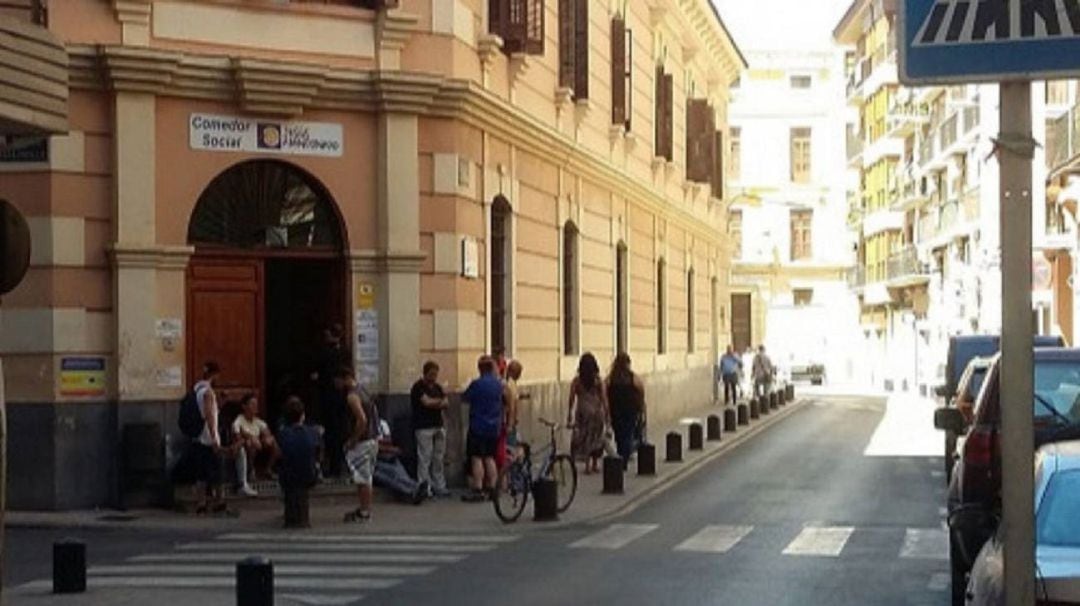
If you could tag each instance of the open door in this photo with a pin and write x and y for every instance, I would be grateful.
(741, 326)
(225, 306)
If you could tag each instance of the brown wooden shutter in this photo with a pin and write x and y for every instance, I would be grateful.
(658, 113)
(520, 23)
(567, 42)
(534, 29)
(718, 164)
(700, 124)
(693, 164)
(581, 49)
(665, 114)
(618, 72)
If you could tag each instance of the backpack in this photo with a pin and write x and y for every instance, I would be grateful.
(190, 419)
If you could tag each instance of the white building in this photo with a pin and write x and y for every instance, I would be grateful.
(789, 213)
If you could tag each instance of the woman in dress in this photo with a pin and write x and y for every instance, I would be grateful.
(588, 413)
(626, 396)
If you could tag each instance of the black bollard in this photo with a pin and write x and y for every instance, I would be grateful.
(730, 420)
(545, 500)
(254, 582)
(789, 392)
(712, 428)
(613, 475)
(763, 404)
(755, 408)
(774, 400)
(744, 414)
(697, 438)
(646, 460)
(69, 566)
(674, 447)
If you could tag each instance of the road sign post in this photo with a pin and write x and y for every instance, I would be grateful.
(1011, 42)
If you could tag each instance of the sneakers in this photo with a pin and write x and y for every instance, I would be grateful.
(474, 496)
(420, 494)
(248, 491)
(357, 516)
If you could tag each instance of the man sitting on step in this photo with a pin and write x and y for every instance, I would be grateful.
(390, 473)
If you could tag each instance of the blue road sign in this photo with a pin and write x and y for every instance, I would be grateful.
(945, 41)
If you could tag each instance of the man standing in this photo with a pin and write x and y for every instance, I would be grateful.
(428, 403)
(362, 445)
(485, 398)
(206, 450)
(331, 415)
(730, 365)
(512, 399)
(763, 372)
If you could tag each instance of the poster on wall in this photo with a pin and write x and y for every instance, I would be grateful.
(208, 132)
(367, 346)
(82, 377)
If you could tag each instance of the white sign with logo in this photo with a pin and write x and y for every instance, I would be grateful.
(234, 134)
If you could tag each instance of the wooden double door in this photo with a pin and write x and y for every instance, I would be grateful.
(262, 319)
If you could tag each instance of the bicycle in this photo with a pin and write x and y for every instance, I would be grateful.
(515, 481)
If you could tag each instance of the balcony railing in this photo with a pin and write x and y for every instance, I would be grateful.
(1063, 139)
(855, 144)
(905, 264)
(856, 277)
(948, 132)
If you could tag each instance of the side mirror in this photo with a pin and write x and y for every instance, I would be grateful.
(941, 391)
(949, 419)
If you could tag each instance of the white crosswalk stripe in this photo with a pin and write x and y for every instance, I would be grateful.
(311, 569)
(715, 539)
(614, 536)
(820, 541)
(925, 543)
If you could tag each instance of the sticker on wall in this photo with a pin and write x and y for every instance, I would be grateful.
(168, 328)
(365, 295)
(234, 134)
(470, 257)
(367, 346)
(82, 377)
(170, 376)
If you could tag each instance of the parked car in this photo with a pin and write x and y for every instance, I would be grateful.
(964, 400)
(974, 492)
(1057, 536)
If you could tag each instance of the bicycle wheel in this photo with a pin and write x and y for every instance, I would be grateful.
(564, 472)
(511, 492)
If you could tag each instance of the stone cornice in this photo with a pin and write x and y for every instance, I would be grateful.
(150, 257)
(391, 261)
(132, 11)
(395, 27)
(288, 89)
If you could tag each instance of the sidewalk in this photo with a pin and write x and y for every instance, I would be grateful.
(439, 516)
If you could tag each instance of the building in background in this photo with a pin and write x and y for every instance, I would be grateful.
(926, 209)
(437, 178)
(788, 217)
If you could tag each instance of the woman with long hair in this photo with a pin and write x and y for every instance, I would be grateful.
(626, 396)
(588, 413)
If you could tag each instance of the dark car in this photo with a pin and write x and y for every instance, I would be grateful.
(975, 489)
(962, 350)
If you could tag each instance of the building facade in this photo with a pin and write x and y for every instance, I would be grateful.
(788, 217)
(439, 178)
(926, 209)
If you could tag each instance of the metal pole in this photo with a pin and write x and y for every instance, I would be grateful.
(1017, 431)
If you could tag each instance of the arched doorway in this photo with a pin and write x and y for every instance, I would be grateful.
(268, 277)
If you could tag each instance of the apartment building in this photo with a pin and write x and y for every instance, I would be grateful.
(438, 178)
(926, 208)
(788, 218)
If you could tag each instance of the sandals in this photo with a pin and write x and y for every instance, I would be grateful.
(357, 516)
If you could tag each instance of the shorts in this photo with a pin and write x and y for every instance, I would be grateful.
(206, 464)
(481, 446)
(361, 461)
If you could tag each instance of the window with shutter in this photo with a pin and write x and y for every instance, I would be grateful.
(574, 47)
(801, 221)
(700, 142)
(620, 74)
(800, 155)
(718, 164)
(570, 289)
(520, 23)
(665, 115)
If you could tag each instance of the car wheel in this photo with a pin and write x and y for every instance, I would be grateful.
(959, 574)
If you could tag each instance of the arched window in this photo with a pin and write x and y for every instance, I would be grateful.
(661, 307)
(265, 204)
(691, 310)
(570, 289)
(500, 251)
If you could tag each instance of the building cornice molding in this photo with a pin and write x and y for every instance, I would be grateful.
(133, 256)
(289, 89)
(388, 261)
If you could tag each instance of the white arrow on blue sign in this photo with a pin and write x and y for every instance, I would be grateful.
(944, 41)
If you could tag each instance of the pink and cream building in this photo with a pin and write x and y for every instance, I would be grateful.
(439, 177)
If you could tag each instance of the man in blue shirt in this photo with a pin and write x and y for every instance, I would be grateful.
(730, 365)
(485, 398)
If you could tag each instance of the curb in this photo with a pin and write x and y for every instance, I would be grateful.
(668, 481)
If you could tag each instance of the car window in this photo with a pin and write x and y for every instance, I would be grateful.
(1060, 509)
(1057, 382)
(978, 374)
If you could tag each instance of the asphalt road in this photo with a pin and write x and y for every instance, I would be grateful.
(799, 515)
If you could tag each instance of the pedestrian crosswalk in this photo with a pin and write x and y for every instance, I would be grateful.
(309, 569)
(811, 540)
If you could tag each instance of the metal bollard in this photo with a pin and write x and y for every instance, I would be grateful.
(613, 475)
(730, 420)
(545, 500)
(774, 400)
(744, 414)
(254, 582)
(674, 447)
(755, 408)
(697, 437)
(763, 404)
(712, 428)
(646, 460)
(69, 566)
(789, 392)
